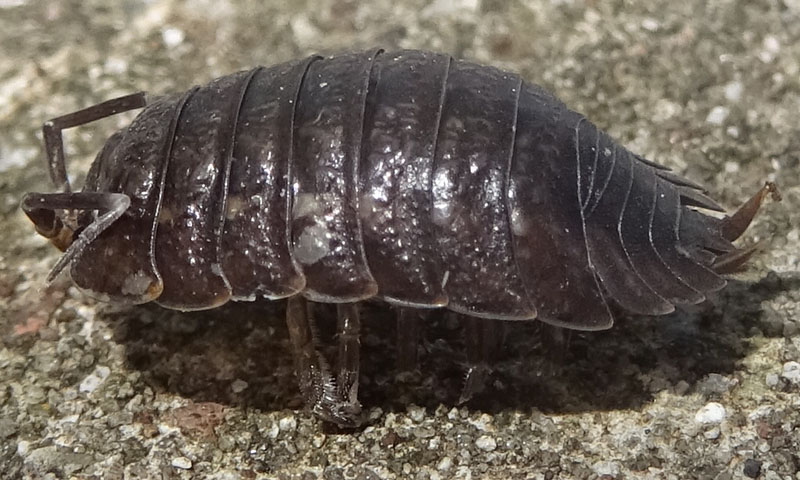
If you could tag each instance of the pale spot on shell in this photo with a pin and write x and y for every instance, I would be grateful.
(136, 284)
(312, 245)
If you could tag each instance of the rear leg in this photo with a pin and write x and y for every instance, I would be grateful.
(483, 337)
(408, 324)
(317, 385)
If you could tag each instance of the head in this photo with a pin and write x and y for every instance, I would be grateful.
(61, 217)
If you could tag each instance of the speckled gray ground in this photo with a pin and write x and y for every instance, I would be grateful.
(711, 89)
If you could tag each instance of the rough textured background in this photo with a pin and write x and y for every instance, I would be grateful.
(711, 89)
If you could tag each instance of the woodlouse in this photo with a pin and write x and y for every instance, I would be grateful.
(408, 177)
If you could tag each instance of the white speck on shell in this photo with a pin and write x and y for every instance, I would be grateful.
(305, 204)
(518, 224)
(312, 245)
(136, 283)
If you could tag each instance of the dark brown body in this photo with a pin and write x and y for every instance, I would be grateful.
(405, 176)
(409, 177)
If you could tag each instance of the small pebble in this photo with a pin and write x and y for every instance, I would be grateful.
(752, 468)
(606, 469)
(94, 379)
(650, 24)
(733, 91)
(172, 37)
(712, 412)
(375, 413)
(319, 440)
(287, 424)
(731, 167)
(483, 423)
(682, 387)
(791, 372)
(772, 44)
(715, 384)
(115, 66)
(717, 115)
(486, 443)
(712, 434)
(424, 432)
(772, 379)
(7, 427)
(23, 447)
(182, 462)
(790, 329)
(416, 413)
(771, 48)
(238, 386)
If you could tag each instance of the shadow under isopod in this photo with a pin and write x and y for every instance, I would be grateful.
(238, 355)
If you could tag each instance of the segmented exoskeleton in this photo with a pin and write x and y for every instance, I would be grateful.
(408, 177)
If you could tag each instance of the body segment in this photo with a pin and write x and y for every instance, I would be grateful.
(256, 238)
(396, 174)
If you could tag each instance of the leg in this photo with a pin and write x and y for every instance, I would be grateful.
(313, 373)
(482, 338)
(348, 336)
(53, 141)
(556, 341)
(408, 330)
(41, 209)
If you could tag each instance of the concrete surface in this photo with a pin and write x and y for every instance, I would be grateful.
(711, 89)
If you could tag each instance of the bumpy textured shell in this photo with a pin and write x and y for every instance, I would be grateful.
(410, 177)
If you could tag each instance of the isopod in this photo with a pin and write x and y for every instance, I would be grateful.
(408, 177)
